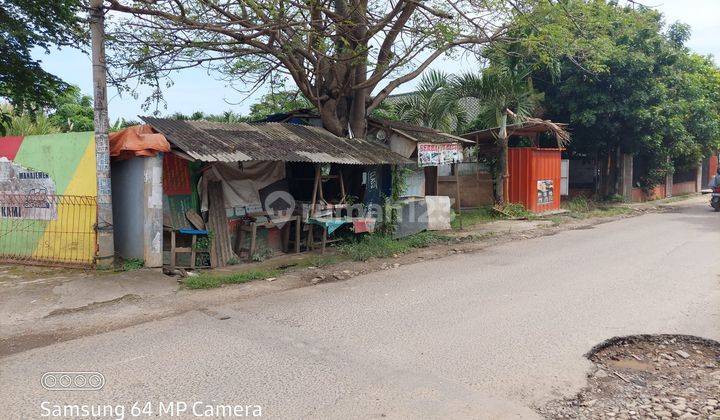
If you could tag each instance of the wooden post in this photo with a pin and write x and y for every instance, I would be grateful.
(173, 256)
(105, 244)
(342, 186)
(315, 190)
(456, 167)
(298, 221)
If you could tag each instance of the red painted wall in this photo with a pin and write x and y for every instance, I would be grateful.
(9, 146)
(527, 166)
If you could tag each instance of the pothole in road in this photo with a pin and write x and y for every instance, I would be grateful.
(647, 376)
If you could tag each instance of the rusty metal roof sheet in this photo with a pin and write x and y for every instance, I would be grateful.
(238, 142)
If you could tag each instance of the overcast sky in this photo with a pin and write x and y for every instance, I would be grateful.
(196, 90)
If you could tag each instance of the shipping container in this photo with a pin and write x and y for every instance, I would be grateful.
(534, 178)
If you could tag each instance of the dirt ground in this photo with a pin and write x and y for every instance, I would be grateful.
(659, 377)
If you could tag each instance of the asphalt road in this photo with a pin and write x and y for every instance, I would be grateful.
(479, 335)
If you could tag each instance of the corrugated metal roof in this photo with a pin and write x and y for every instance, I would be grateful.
(237, 142)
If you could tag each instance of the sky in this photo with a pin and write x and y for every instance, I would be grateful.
(196, 90)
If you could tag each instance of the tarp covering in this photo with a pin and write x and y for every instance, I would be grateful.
(138, 140)
(241, 182)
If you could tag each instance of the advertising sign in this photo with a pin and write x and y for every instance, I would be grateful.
(27, 193)
(434, 154)
(545, 190)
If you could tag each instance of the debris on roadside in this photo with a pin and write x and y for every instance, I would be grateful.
(637, 377)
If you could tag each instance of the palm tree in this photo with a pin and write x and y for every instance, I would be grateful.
(432, 104)
(504, 93)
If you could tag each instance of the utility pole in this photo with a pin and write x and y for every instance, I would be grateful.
(106, 246)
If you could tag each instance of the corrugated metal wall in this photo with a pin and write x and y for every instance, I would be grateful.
(527, 166)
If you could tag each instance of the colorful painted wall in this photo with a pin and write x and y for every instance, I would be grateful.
(48, 189)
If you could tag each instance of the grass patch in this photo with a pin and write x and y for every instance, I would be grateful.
(472, 217)
(583, 208)
(382, 246)
(209, 281)
(320, 260)
(487, 214)
(132, 264)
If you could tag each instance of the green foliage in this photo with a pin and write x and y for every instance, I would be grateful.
(5, 119)
(383, 246)
(34, 25)
(209, 281)
(202, 243)
(69, 111)
(432, 105)
(271, 103)
(261, 254)
(391, 205)
(501, 87)
(577, 204)
(277, 102)
(473, 217)
(583, 208)
(121, 123)
(25, 124)
(425, 239)
(132, 264)
(73, 111)
(516, 211)
(225, 117)
(623, 81)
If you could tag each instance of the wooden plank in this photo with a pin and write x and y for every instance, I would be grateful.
(315, 190)
(456, 168)
(218, 225)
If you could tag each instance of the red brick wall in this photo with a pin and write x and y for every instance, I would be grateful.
(638, 195)
(681, 188)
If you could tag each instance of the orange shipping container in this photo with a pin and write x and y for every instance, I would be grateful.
(534, 178)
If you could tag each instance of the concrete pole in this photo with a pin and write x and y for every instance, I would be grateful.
(627, 176)
(106, 247)
(153, 223)
(669, 182)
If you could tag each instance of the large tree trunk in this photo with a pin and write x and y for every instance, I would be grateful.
(105, 240)
(609, 173)
(330, 119)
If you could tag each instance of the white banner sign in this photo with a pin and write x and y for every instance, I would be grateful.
(435, 154)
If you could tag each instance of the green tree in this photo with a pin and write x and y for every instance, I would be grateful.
(624, 82)
(506, 94)
(432, 104)
(344, 56)
(73, 111)
(276, 102)
(23, 124)
(27, 25)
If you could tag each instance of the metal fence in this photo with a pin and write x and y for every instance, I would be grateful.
(48, 229)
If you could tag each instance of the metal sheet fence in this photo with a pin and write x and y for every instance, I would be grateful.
(48, 229)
